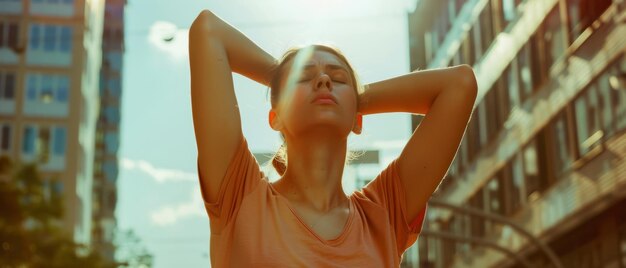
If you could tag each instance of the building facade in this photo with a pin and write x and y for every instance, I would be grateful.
(50, 57)
(108, 130)
(546, 145)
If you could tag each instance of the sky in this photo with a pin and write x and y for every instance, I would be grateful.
(158, 194)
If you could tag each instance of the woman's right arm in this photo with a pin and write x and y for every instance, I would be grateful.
(216, 49)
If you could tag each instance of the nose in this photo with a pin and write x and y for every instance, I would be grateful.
(323, 81)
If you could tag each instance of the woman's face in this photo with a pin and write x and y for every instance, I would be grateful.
(316, 94)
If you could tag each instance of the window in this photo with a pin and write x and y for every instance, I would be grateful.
(477, 223)
(59, 141)
(524, 72)
(587, 120)
(114, 87)
(494, 191)
(51, 38)
(515, 184)
(503, 102)
(5, 137)
(468, 50)
(512, 83)
(509, 11)
(47, 88)
(7, 85)
(486, 27)
(28, 143)
(475, 38)
(66, 39)
(539, 70)
(553, 36)
(473, 135)
(582, 13)
(534, 171)
(112, 115)
(8, 34)
(43, 145)
(562, 155)
(34, 36)
(44, 142)
(493, 113)
(617, 80)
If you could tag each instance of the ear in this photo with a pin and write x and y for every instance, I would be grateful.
(274, 120)
(358, 124)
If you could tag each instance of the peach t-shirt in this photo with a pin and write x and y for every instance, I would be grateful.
(252, 225)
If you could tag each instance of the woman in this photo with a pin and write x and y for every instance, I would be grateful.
(304, 219)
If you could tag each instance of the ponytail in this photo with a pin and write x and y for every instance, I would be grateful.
(279, 160)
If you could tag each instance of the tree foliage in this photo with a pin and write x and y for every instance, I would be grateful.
(30, 232)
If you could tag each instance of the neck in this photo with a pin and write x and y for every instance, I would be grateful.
(314, 171)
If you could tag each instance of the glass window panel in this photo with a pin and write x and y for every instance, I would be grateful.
(554, 37)
(516, 186)
(508, 12)
(2, 34)
(531, 168)
(28, 143)
(5, 135)
(587, 121)
(66, 38)
(477, 224)
(563, 157)
(12, 38)
(35, 35)
(62, 88)
(495, 195)
(486, 27)
(604, 104)
(574, 10)
(43, 145)
(112, 142)
(31, 87)
(619, 93)
(46, 93)
(525, 75)
(9, 86)
(49, 37)
(511, 76)
(59, 140)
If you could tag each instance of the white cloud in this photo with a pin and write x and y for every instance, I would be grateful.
(168, 215)
(168, 38)
(158, 174)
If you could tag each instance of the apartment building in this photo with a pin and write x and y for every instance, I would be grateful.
(546, 145)
(50, 57)
(108, 130)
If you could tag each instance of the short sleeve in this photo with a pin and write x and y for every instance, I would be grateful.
(387, 191)
(242, 176)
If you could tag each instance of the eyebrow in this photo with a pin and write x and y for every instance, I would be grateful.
(330, 66)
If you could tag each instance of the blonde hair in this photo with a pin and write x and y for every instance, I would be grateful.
(279, 160)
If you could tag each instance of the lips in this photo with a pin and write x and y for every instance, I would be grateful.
(325, 98)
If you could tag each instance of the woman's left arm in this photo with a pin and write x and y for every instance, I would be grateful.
(446, 97)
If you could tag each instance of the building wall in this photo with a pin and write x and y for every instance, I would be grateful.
(50, 51)
(544, 146)
(107, 133)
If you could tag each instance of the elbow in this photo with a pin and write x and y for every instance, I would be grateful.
(206, 23)
(467, 79)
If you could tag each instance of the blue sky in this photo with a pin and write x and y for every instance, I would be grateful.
(159, 196)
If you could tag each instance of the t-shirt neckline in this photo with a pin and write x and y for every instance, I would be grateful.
(331, 242)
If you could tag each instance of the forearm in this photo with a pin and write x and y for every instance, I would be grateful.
(244, 56)
(415, 92)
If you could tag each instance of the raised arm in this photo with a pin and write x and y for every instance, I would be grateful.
(216, 49)
(447, 97)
